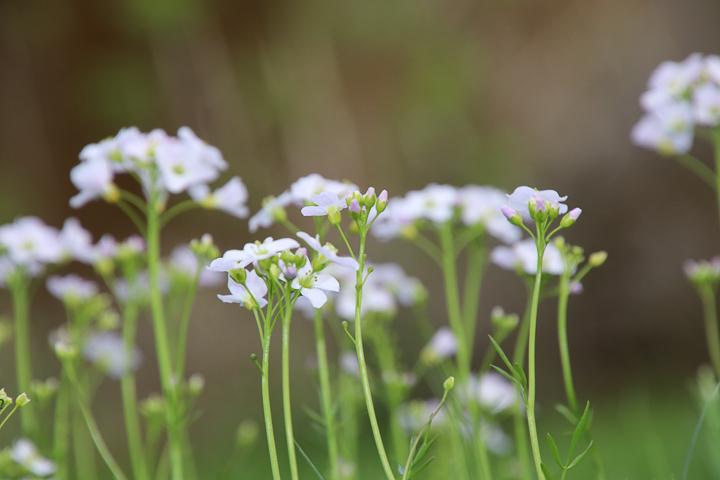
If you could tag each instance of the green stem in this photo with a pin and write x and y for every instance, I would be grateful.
(129, 398)
(326, 395)
(360, 352)
(698, 168)
(164, 358)
(707, 295)
(85, 465)
(287, 404)
(267, 410)
(521, 435)
(477, 257)
(532, 333)
(61, 433)
(716, 149)
(563, 297)
(92, 428)
(452, 299)
(21, 305)
(180, 354)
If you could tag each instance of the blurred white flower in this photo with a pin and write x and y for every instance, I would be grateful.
(93, 179)
(523, 256)
(414, 415)
(349, 363)
(304, 189)
(667, 129)
(490, 390)
(272, 207)
(29, 242)
(76, 241)
(230, 198)
(25, 454)
(250, 295)
(481, 205)
(435, 203)
(107, 351)
(184, 261)
(71, 288)
(706, 105)
(443, 344)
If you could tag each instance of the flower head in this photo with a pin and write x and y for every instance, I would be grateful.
(273, 209)
(522, 256)
(25, 454)
(250, 294)
(328, 251)
(313, 285)
(325, 204)
(71, 288)
(28, 242)
(525, 200)
(230, 198)
(443, 344)
(107, 351)
(252, 253)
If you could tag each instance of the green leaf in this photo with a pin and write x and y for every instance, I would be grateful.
(577, 459)
(307, 459)
(501, 353)
(555, 451)
(567, 414)
(520, 373)
(547, 472)
(580, 429)
(511, 378)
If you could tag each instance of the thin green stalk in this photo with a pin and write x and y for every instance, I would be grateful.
(697, 167)
(521, 435)
(360, 352)
(532, 333)
(61, 432)
(326, 395)
(167, 378)
(21, 305)
(287, 404)
(129, 398)
(180, 352)
(452, 299)
(477, 258)
(92, 428)
(10, 414)
(85, 465)
(267, 410)
(563, 297)
(707, 295)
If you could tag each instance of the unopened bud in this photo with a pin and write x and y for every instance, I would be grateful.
(512, 215)
(22, 400)
(597, 259)
(448, 384)
(570, 218)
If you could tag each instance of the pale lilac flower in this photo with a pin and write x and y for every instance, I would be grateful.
(520, 199)
(667, 129)
(230, 198)
(706, 105)
(28, 241)
(490, 390)
(250, 295)
(313, 285)
(523, 256)
(93, 179)
(25, 454)
(138, 289)
(497, 441)
(328, 251)
(671, 81)
(71, 288)
(271, 208)
(252, 253)
(712, 68)
(406, 289)
(184, 261)
(482, 205)
(325, 204)
(435, 203)
(181, 167)
(107, 351)
(304, 189)
(443, 344)
(76, 241)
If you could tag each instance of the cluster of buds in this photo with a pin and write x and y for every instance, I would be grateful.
(703, 272)
(543, 207)
(6, 401)
(362, 204)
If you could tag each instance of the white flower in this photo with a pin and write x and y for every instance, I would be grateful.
(390, 276)
(109, 248)
(325, 203)
(252, 253)
(250, 295)
(94, 179)
(76, 241)
(481, 205)
(182, 167)
(328, 251)
(435, 203)
(490, 390)
(706, 105)
(230, 198)
(413, 416)
(107, 351)
(272, 207)
(442, 345)
(184, 261)
(24, 453)
(667, 129)
(28, 241)
(523, 256)
(313, 285)
(671, 81)
(520, 199)
(304, 189)
(71, 288)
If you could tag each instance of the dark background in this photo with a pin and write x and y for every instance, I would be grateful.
(392, 94)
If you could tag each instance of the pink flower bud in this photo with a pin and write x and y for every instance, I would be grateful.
(355, 206)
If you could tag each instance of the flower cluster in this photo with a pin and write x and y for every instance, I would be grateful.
(301, 193)
(162, 163)
(681, 96)
(703, 272)
(473, 206)
(522, 257)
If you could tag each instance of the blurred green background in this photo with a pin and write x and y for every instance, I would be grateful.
(392, 94)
